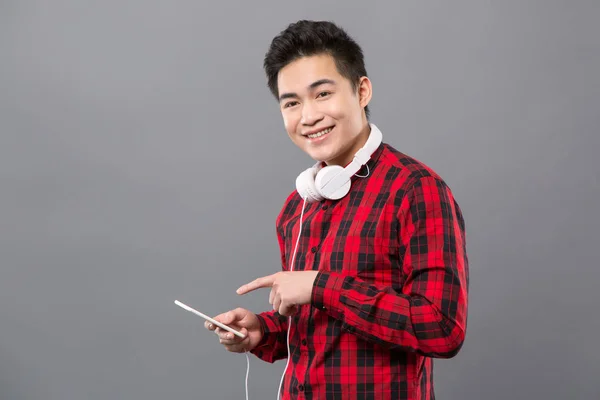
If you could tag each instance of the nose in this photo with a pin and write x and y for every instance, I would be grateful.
(310, 114)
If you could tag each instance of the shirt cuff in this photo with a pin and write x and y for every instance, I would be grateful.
(264, 340)
(270, 332)
(326, 293)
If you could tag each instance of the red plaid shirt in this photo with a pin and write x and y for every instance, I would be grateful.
(391, 293)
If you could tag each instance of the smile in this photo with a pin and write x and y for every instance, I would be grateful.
(320, 133)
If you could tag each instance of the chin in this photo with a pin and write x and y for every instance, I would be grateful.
(321, 153)
(318, 156)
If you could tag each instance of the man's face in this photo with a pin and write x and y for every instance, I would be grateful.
(322, 114)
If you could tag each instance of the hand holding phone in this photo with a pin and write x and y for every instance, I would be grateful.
(211, 320)
(246, 323)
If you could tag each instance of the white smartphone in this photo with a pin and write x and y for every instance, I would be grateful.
(209, 319)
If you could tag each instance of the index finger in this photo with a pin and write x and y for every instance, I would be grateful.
(265, 281)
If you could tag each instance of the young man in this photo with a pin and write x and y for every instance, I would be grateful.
(375, 285)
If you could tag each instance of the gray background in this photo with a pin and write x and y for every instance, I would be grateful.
(142, 160)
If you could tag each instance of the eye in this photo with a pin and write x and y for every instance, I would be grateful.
(323, 94)
(290, 104)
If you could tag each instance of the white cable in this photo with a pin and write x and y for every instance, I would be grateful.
(368, 172)
(290, 318)
(247, 372)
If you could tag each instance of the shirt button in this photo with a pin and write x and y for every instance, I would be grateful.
(314, 249)
(304, 342)
(301, 388)
(325, 207)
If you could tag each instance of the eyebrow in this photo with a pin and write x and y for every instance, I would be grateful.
(311, 86)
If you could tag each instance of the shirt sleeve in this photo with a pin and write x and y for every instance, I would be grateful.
(429, 314)
(273, 345)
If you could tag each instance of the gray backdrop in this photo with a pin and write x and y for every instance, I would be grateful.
(142, 160)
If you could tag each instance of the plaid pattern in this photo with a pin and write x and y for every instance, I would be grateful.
(391, 293)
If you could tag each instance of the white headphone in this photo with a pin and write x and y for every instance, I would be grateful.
(333, 181)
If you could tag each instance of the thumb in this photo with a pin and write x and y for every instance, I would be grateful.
(233, 316)
(244, 332)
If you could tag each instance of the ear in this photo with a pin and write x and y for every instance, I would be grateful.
(365, 91)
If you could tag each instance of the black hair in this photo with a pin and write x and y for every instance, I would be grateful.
(308, 38)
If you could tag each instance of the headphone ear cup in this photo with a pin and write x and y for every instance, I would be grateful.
(305, 185)
(325, 175)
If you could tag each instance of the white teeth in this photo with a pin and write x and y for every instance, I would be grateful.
(319, 134)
